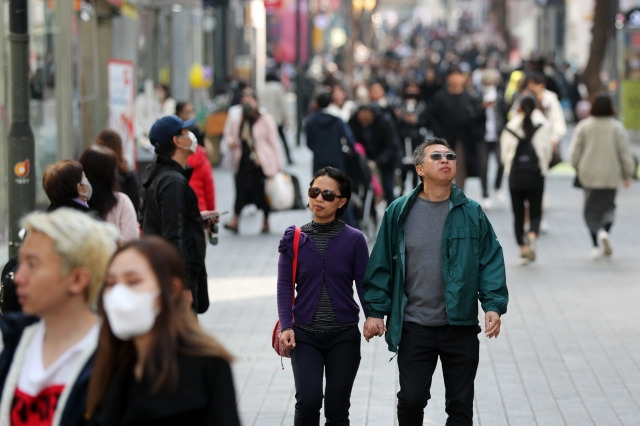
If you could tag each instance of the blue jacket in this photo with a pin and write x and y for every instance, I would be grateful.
(343, 262)
(325, 133)
(472, 265)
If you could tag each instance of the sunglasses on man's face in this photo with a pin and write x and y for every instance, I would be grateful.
(327, 194)
(437, 156)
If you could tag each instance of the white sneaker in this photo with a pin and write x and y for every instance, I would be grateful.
(523, 260)
(530, 252)
(500, 196)
(487, 203)
(596, 253)
(544, 226)
(605, 242)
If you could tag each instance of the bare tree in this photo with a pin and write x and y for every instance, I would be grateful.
(601, 32)
(499, 12)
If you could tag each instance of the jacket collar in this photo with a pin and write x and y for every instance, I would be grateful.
(165, 163)
(406, 202)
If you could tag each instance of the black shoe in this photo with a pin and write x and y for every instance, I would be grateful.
(231, 228)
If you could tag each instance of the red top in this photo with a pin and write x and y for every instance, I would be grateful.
(202, 179)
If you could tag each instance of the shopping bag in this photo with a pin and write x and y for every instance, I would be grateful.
(280, 191)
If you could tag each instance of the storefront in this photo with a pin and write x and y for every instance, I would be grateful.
(72, 44)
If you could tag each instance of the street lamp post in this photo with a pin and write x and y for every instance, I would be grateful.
(20, 149)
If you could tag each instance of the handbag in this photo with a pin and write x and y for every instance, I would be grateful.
(280, 191)
(555, 158)
(576, 182)
(277, 331)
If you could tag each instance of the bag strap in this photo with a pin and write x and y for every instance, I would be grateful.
(296, 244)
(513, 133)
(535, 129)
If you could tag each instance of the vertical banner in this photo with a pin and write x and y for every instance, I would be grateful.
(121, 106)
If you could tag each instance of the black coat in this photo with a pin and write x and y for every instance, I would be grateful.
(379, 139)
(459, 118)
(130, 185)
(170, 210)
(205, 396)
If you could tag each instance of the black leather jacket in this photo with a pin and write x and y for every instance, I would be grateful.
(170, 209)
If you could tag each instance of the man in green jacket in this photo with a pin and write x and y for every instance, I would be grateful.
(435, 256)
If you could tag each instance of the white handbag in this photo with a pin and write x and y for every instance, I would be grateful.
(280, 191)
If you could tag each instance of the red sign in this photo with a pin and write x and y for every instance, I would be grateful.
(271, 5)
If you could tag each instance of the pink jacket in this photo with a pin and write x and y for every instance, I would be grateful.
(267, 143)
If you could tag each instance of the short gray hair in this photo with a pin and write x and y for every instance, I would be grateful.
(418, 153)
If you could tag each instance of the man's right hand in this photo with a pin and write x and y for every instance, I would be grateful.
(373, 327)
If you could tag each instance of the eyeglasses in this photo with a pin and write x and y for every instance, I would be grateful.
(437, 156)
(327, 194)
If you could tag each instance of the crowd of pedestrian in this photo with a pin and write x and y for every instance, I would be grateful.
(111, 277)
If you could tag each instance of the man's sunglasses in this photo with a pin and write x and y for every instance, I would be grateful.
(437, 156)
(327, 194)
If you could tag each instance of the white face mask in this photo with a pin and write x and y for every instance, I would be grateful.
(194, 142)
(89, 192)
(130, 313)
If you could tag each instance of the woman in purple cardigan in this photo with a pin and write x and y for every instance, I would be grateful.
(321, 329)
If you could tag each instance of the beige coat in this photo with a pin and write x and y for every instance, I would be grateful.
(601, 153)
(273, 98)
(266, 140)
(541, 141)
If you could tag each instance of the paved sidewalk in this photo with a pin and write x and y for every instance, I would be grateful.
(568, 354)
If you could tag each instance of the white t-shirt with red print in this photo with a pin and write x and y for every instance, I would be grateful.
(38, 388)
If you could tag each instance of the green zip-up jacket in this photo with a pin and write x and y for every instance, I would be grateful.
(472, 265)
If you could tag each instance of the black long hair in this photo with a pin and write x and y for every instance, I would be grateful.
(527, 105)
(344, 183)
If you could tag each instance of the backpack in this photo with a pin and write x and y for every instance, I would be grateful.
(525, 168)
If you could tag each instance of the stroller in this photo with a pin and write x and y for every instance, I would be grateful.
(362, 193)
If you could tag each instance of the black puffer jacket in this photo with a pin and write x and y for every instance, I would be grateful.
(170, 209)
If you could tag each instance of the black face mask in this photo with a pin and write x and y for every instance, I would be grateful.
(248, 110)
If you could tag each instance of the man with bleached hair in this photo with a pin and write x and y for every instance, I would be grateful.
(49, 348)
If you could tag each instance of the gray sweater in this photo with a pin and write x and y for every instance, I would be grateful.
(601, 153)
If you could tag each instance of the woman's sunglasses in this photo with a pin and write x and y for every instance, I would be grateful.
(327, 194)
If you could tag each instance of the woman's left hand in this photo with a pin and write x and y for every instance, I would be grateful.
(288, 339)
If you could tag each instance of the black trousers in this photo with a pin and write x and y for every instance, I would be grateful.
(518, 198)
(335, 356)
(250, 184)
(598, 210)
(285, 145)
(459, 350)
(485, 149)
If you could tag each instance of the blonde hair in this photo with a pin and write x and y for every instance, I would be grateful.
(79, 240)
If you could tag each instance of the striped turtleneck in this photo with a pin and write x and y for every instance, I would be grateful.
(324, 319)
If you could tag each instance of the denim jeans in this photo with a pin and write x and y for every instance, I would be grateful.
(333, 355)
(459, 351)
